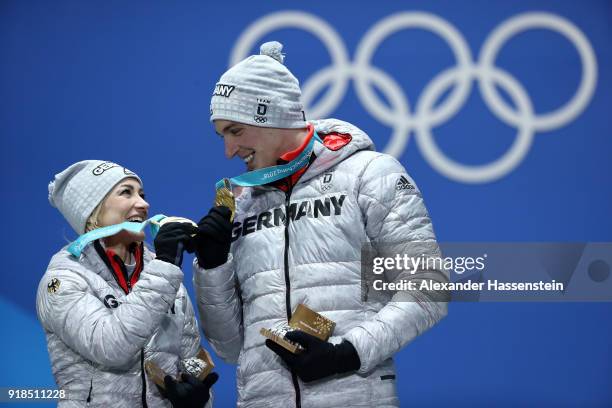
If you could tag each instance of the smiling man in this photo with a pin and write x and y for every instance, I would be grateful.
(258, 147)
(317, 192)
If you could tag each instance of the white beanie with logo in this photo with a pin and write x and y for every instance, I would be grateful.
(78, 190)
(260, 91)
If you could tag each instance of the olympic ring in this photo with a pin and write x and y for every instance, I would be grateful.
(427, 114)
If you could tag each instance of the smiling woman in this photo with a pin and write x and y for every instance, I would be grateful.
(125, 202)
(118, 307)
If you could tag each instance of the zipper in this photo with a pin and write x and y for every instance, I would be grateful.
(286, 256)
(296, 384)
(90, 389)
(143, 395)
(128, 283)
(144, 379)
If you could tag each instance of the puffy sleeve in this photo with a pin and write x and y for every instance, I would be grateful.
(67, 306)
(220, 308)
(396, 222)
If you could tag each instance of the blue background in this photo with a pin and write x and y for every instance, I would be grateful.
(130, 82)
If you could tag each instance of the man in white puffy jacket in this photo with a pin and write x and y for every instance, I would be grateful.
(297, 238)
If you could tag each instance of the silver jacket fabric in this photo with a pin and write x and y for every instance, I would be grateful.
(346, 198)
(99, 338)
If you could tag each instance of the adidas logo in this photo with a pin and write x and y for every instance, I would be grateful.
(403, 184)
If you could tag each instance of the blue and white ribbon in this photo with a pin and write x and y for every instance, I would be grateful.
(249, 179)
(81, 242)
(274, 173)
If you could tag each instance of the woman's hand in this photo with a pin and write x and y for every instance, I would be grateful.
(191, 392)
(172, 239)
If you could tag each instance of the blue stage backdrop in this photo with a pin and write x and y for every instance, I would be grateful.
(499, 110)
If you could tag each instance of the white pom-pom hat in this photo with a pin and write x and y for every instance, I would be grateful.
(260, 91)
(78, 190)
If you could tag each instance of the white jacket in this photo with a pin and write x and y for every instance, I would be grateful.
(99, 338)
(346, 198)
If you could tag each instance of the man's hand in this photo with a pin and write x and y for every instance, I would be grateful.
(191, 393)
(171, 239)
(319, 359)
(212, 244)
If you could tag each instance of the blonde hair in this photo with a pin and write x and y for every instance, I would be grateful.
(93, 221)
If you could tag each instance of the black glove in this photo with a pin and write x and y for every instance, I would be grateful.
(171, 239)
(319, 358)
(214, 237)
(191, 393)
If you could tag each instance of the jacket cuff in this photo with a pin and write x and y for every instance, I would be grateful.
(168, 271)
(358, 338)
(215, 277)
(346, 358)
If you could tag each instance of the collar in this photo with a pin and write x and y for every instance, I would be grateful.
(117, 267)
(289, 181)
(287, 157)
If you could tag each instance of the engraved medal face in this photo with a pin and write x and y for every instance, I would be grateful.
(303, 319)
(277, 335)
(199, 366)
(193, 366)
(225, 198)
(311, 322)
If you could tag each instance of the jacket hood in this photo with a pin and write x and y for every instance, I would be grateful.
(326, 157)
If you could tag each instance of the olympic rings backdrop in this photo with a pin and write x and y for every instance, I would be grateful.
(499, 110)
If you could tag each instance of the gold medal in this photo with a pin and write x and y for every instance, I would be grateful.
(304, 319)
(225, 197)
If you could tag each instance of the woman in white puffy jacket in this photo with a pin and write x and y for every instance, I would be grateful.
(117, 305)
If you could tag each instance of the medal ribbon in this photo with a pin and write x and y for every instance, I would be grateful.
(274, 173)
(76, 247)
(248, 179)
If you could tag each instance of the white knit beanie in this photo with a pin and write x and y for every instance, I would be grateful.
(260, 91)
(78, 190)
